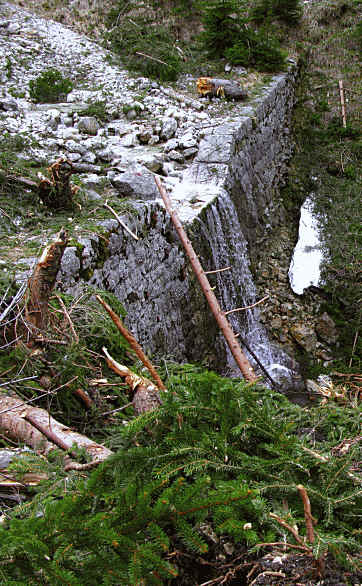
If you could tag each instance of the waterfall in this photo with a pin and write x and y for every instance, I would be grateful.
(222, 231)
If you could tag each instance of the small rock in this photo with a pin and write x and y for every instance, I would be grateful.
(326, 329)
(176, 156)
(88, 125)
(168, 128)
(89, 157)
(14, 28)
(8, 103)
(170, 145)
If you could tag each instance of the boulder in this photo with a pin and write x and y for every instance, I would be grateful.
(136, 183)
(305, 336)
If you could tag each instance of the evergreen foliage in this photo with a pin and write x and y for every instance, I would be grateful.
(229, 34)
(50, 86)
(289, 11)
(219, 454)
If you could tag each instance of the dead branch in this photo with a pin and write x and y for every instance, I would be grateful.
(17, 180)
(307, 513)
(343, 103)
(291, 530)
(84, 397)
(219, 315)
(108, 207)
(146, 396)
(133, 343)
(67, 317)
(42, 282)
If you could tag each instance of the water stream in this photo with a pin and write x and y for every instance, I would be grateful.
(235, 288)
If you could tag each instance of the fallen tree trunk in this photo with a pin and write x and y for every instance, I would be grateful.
(222, 88)
(15, 418)
(240, 358)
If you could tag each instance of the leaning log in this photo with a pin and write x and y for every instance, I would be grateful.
(222, 88)
(226, 329)
(22, 422)
(42, 282)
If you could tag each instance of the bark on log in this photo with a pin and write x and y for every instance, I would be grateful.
(240, 358)
(17, 180)
(15, 425)
(223, 88)
(42, 282)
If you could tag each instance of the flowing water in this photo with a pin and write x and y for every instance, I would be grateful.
(235, 288)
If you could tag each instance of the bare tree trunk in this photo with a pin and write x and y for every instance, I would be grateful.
(42, 282)
(240, 358)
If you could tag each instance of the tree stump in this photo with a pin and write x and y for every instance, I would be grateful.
(57, 192)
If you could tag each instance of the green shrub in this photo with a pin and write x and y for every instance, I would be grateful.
(50, 87)
(257, 49)
(159, 57)
(289, 11)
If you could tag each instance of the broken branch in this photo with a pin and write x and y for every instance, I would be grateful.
(133, 343)
(307, 513)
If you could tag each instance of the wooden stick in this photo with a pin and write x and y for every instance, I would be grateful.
(133, 343)
(240, 358)
(152, 58)
(247, 306)
(307, 513)
(343, 104)
(108, 207)
(217, 271)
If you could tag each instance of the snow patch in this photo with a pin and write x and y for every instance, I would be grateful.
(305, 267)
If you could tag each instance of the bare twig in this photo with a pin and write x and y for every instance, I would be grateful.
(133, 343)
(353, 348)
(67, 317)
(108, 207)
(217, 271)
(152, 58)
(247, 306)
